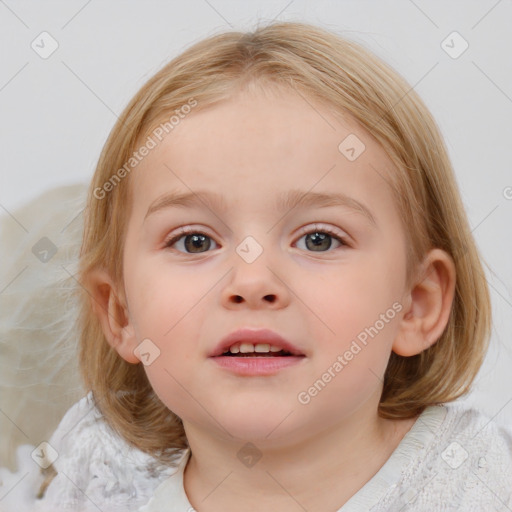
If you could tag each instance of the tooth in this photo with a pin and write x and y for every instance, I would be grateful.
(273, 348)
(245, 348)
(234, 349)
(262, 347)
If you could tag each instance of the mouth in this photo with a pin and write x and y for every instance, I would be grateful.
(258, 350)
(251, 352)
(248, 342)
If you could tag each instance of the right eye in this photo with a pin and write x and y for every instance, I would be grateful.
(194, 241)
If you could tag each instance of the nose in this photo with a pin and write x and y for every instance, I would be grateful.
(256, 285)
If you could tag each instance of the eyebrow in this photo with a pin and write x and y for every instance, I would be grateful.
(298, 198)
(286, 202)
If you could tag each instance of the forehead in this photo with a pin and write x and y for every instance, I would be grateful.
(255, 146)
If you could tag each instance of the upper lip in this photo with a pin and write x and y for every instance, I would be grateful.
(254, 336)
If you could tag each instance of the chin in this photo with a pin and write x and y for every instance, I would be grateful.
(258, 425)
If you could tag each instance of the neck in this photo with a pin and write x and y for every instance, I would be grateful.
(317, 473)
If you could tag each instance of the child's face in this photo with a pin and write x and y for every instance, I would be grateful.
(313, 291)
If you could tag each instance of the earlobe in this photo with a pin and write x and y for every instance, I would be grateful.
(111, 310)
(430, 303)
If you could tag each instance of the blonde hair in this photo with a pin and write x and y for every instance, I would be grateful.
(347, 78)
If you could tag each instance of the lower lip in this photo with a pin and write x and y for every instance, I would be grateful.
(257, 365)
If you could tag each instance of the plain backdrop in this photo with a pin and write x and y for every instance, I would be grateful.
(56, 112)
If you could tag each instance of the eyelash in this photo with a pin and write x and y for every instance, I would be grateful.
(184, 231)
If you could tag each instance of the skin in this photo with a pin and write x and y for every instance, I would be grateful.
(250, 149)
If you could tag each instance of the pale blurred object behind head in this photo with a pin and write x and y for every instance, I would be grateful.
(39, 378)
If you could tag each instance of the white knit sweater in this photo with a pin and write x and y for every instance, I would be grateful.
(452, 459)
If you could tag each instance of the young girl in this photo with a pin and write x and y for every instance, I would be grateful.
(280, 297)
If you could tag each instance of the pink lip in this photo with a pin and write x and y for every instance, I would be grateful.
(257, 365)
(255, 336)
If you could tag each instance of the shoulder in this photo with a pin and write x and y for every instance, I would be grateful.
(454, 457)
(477, 431)
(95, 466)
(468, 463)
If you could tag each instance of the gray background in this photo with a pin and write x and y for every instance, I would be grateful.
(57, 112)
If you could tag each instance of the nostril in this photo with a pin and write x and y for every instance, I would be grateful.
(270, 298)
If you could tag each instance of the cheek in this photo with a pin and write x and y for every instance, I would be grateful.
(348, 298)
(165, 313)
(158, 299)
(355, 317)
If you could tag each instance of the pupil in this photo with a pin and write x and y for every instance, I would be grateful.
(196, 241)
(322, 240)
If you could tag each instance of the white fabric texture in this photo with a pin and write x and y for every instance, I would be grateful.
(453, 458)
(97, 469)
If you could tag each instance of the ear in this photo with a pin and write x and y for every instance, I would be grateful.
(428, 305)
(112, 312)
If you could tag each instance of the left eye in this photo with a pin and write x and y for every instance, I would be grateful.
(320, 240)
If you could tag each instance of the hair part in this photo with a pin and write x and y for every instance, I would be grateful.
(347, 79)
